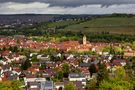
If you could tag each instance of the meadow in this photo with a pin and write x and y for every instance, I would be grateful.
(115, 25)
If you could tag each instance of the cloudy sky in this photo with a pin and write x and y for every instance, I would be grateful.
(67, 6)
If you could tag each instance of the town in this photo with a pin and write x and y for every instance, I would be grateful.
(79, 65)
(67, 44)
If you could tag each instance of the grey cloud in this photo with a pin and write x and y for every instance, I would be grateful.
(74, 3)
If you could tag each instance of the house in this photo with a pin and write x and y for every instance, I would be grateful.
(50, 72)
(129, 53)
(119, 62)
(86, 73)
(87, 65)
(34, 80)
(35, 83)
(11, 76)
(71, 56)
(43, 57)
(33, 86)
(49, 85)
(77, 77)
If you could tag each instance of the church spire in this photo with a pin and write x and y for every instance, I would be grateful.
(84, 40)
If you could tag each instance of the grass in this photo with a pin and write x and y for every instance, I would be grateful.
(119, 25)
(61, 23)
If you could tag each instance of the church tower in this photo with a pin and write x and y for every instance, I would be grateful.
(84, 40)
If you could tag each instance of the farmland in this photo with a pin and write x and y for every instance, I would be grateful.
(118, 25)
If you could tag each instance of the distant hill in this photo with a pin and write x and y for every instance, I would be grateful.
(34, 18)
(24, 18)
(39, 24)
(119, 25)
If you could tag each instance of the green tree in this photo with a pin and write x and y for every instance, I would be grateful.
(42, 67)
(10, 85)
(65, 69)
(116, 85)
(103, 73)
(34, 58)
(60, 75)
(16, 85)
(120, 73)
(91, 84)
(70, 86)
(15, 49)
(26, 64)
(118, 82)
(92, 69)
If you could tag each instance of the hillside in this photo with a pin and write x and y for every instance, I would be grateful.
(120, 25)
(86, 24)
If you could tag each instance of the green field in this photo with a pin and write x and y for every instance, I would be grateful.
(120, 25)
(61, 23)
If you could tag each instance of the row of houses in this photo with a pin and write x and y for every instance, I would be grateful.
(36, 78)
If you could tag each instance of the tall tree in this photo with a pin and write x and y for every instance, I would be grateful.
(91, 85)
(65, 69)
(70, 86)
(26, 64)
(92, 69)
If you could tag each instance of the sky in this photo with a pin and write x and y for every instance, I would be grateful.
(67, 6)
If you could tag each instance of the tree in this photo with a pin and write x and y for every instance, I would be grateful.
(10, 85)
(15, 49)
(60, 75)
(65, 69)
(16, 85)
(92, 69)
(103, 73)
(54, 58)
(4, 49)
(116, 85)
(118, 82)
(42, 67)
(49, 51)
(25, 65)
(133, 65)
(10, 48)
(70, 86)
(91, 85)
(120, 73)
(34, 58)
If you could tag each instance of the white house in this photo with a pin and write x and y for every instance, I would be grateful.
(77, 77)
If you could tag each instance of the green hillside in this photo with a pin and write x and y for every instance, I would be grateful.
(61, 23)
(118, 25)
